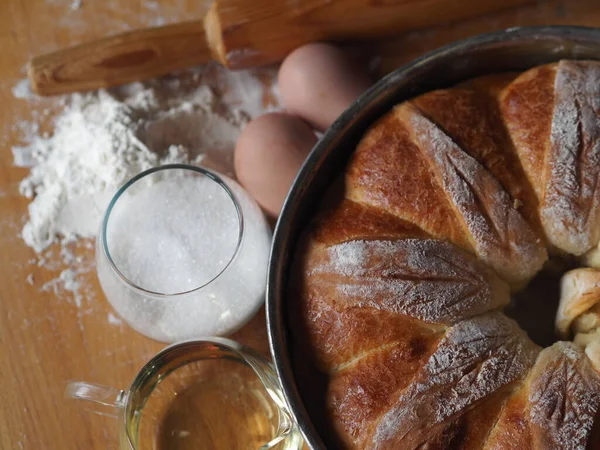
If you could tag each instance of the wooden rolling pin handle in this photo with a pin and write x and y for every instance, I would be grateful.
(239, 34)
(120, 59)
(246, 33)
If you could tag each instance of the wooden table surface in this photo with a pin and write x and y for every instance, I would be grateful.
(45, 337)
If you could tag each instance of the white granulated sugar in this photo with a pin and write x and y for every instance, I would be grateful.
(101, 139)
(168, 239)
(174, 235)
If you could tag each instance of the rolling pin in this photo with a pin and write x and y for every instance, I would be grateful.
(239, 34)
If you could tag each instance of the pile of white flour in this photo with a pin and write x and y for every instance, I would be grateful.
(102, 139)
(98, 143)
(99, 140)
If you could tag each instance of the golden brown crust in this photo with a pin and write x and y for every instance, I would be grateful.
(397, 283)
(473, 121)
(527, 107)
(387, 172)
(570, 209)
(347, 220)
(497, 231)
(477, 358)
(362, 390)
(512, 430)
(491, 85)
(552, 113)
(409, 167)
(564, 398)
(555, 408)
(470, 430)
(423, 279)
(580, 291)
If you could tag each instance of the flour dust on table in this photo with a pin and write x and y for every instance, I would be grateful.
(101, 139)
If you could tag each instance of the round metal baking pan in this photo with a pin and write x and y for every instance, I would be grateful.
(514, 49)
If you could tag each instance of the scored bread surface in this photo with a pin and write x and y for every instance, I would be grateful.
(451, 201)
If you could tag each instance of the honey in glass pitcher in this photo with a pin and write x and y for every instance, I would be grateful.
(202, 394)
(223, 406)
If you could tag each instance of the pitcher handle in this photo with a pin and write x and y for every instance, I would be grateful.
(102, 400)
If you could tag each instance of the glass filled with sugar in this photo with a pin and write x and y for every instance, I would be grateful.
(182, 253)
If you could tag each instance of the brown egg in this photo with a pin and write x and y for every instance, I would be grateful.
(268, 155)
(318, 82)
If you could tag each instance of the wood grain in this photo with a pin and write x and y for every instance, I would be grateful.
(120, 59)
(400, 50)
(247, 34)
(239, 35)
(45, 338)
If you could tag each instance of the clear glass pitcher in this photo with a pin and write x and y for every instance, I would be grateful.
(198, 394)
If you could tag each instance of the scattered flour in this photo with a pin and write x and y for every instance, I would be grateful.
(95, 148)
(76, 4)
(466, 183)
(384, 275)
(114, 320)
(570, 211)
(22, 89)
(564, 376)
(81, 148)
(475, 358)
(70, 280)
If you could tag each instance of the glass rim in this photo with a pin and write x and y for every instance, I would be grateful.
(208, 173)
(261, 367)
